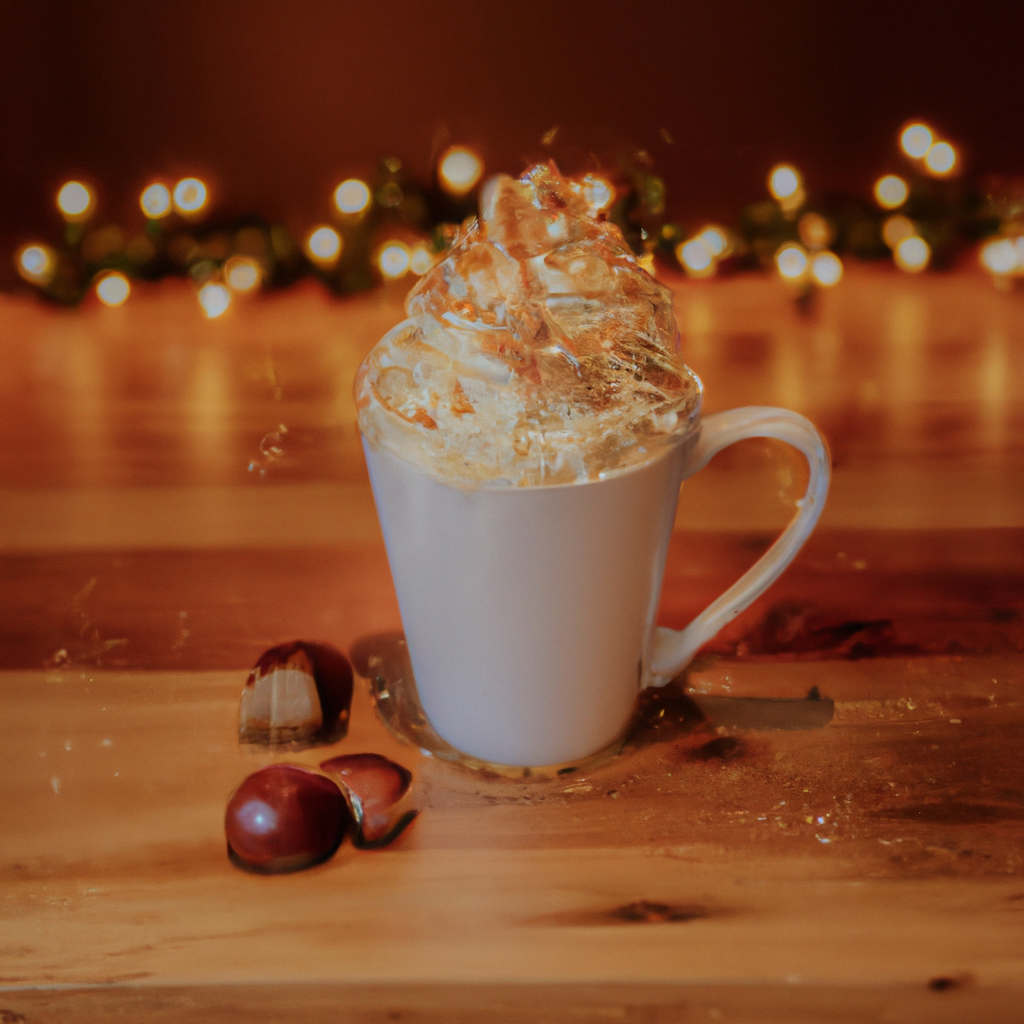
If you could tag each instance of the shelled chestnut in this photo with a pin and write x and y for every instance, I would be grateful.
(285, 817)
(298, 693)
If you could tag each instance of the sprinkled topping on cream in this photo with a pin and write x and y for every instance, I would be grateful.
(538, 351)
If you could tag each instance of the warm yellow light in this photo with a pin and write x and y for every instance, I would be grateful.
(155, 200)
(715, 240)
(37, 264)
(323, 246)
(896, 228)
(891, 191)
(600, 194)
(421, 260)
(242, 274)
(214, 299)
(826, 269)
(393, 260)
(74, 200)
(940, 159)
(912, 254)
(916, 140)
(459, 170)
(352, 196)
(113, 289)
(696, 258)
(1000, 256)
(190, 197)
(815, 232)
(784, 182)
(791, 261)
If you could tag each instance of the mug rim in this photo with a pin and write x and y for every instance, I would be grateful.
(685, 440)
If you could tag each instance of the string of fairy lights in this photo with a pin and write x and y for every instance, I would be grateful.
(391, 226)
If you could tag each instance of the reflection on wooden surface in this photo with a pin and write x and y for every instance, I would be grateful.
(178, 495)
(901, 373)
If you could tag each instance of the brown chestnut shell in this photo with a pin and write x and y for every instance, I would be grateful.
(374, 787)
(284, 818)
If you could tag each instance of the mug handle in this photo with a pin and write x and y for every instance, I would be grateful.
(674, 649)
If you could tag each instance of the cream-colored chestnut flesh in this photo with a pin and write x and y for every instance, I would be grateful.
(298, 692)
(280, 704)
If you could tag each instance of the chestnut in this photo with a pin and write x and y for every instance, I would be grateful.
(283, 818)
(374, 786)
(299, 692)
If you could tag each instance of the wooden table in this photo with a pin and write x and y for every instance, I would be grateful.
(179, 494)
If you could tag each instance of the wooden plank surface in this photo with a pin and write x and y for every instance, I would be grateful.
(153, 541)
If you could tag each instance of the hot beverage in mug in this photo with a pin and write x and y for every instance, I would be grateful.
(526, 431)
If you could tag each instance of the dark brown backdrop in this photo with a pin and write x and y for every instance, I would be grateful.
(274, 100)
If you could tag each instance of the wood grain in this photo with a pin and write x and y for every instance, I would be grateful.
(838, 854)
(945, 1000)
(859, 593)
(150, 549)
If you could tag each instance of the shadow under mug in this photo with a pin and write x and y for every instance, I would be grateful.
(530, 611)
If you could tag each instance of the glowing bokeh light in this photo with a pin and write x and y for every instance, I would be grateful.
(74, 200)
(826, 269)
(323, 246)
(891, 192)
(696, 258)
(113, 289)
(352, 196)
(791, 261)
(897, 228)
(715, 240)
(940, 159)
(784, 182)
(459, 170)
(155, 200)
(242, 274)
(214, 299)
(600, 194)
(37, 264)
(393, 260)
(912, 254)
(999, 256)
(421, 260)
(190, 196)
(916, 140)
(815, 231)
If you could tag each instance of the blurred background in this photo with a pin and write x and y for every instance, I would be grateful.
(274, 102)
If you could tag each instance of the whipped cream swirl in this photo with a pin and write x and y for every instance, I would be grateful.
(538, 351)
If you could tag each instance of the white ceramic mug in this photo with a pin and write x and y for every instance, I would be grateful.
(529, 611)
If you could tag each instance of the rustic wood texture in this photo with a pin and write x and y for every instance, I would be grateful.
(155, 537)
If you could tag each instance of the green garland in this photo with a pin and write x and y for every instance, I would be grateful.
(950, 214)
